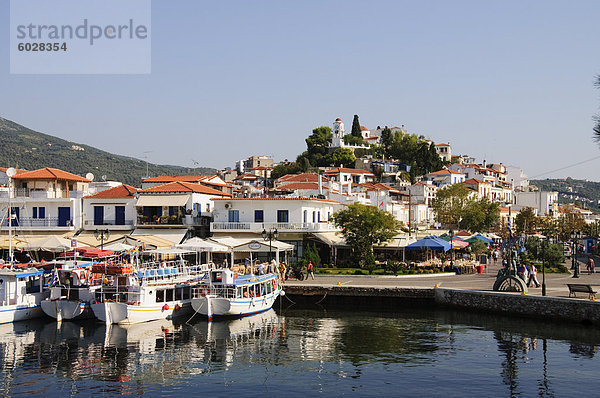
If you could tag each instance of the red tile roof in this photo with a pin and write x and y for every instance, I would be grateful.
(120, 192)
(286, 198)
(363, 128)
(476, 181)
(442, 172)
(301, 185)
(378, 186)
(186, 187)
(247, 176)
(304, 177)
(338, 170)
(48, 173)
(165, 178)
(338, 120)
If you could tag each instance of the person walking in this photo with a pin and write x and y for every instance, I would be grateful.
(533, 277)
(310, 270)
(590, 265)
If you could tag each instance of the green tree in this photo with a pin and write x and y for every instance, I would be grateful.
(478, 247)
(479, 215)
(362, 227)
(343, 156)
(449, 204)
(356, 127)
(311, 254)
(526, 221)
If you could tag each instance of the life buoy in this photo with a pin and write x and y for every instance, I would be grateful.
(177, 307)
(165, 307)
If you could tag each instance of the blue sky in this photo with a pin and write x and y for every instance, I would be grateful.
(507, 82)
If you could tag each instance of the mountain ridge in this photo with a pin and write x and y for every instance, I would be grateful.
(28, 149)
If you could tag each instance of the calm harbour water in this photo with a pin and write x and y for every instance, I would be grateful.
(300, 353)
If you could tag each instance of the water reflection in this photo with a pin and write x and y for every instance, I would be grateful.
(303, 350)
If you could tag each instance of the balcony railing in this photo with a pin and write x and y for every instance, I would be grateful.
(281, 227)
(108, 222)
(28, 222)
(45, 194)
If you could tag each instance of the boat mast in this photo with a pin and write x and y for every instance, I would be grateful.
(10, 173)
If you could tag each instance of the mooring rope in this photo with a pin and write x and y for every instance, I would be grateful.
(325, 295)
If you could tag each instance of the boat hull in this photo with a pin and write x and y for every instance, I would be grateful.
(127, 314)
(19, 312)
(67, 309)
(222, 307)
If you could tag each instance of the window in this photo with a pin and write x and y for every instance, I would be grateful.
(160, 296)
(314, 216)
(208, 207)
(41, 212)
(259, 216)
(169, 296)
(234, 216)
(305, 216)
(35, 212)
(282, 216)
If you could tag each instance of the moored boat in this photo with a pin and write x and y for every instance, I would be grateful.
(21, 292)
(229, 294)
(157, 291)
(72, 290)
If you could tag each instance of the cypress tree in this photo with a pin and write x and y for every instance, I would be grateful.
(356, 127)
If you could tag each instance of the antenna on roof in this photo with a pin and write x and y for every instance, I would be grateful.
(104, 177)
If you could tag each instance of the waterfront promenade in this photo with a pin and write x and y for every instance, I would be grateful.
(556, 284)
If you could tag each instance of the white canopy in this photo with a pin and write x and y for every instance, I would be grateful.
(118, 246)
(262, 246)
(168, 251)
(51, 243)
(202, 245)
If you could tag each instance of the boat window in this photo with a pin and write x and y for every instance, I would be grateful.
(246, 294)
(178, 293)
(160, 296)
(186, 293)
(238, 292)
(169, 294)
(269, 288)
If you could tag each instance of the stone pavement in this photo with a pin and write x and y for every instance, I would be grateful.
(556, 284)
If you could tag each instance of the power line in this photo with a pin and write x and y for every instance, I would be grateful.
(565, 167)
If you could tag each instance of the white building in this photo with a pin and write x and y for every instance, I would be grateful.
(517, 178)
(546, 203)
(47, 200)
(176, 206)
(113, 209)
(444, 151)
(445, 177)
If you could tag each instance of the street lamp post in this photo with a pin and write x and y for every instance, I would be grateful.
(544, 267)
(575, 235)
(101, 235)
(272, 234)
(451, 250)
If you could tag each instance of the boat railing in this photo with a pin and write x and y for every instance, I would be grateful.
(119, 294)
(169, 270)
(219, 291)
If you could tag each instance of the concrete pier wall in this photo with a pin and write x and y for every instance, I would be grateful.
(374, 298)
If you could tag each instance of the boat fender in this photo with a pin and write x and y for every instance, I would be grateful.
(165, 307)
(177, 307)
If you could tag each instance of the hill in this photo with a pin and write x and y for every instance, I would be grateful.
(582, 192)
(27, 149)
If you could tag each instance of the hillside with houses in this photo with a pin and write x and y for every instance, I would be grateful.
(406, 175)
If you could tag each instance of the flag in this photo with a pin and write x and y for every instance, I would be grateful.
(55, 280)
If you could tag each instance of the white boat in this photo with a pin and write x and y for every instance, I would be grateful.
(71, 293)
(157, 291)
(230, 294)
(21, 292)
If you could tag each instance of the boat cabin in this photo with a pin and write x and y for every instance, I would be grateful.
(19, 286)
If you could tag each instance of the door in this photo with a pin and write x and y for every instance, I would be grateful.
(119, 215)
(98, 215)
(15, 216)
(64, 216)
